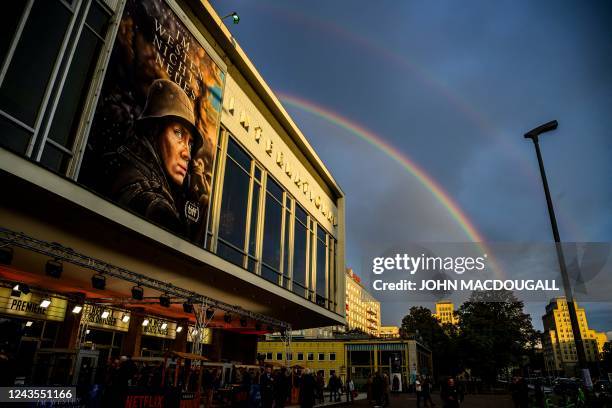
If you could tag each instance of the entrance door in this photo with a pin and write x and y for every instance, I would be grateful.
(86, 366)
(25, 359)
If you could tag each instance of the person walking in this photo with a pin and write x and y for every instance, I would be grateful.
(418, 388)
(451, 394)
(308, 387)
(426, 393)
(266, 384)
(350, 389)
(282, 388)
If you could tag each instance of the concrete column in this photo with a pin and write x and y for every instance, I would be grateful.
(69, 331)
(131, 342)
(216, 345)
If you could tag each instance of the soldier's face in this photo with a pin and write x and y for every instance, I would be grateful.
(175, 148)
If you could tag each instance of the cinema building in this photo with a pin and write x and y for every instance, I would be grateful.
(156, 194)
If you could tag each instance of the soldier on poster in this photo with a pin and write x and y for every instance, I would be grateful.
(153, 138)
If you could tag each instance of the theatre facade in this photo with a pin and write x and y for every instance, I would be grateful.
(156, 195)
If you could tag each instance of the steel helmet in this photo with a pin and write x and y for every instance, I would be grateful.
(168, 100)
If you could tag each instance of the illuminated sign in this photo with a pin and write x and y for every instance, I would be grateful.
(205, 335)
(93, 315)
(29, 306)
(159, 328)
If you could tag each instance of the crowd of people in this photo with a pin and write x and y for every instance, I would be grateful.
(268, 388)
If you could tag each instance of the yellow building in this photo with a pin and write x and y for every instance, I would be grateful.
(358, 357)
(558, 340)
(389, 331)
(325, 355)
(445, 312)
(362, 309)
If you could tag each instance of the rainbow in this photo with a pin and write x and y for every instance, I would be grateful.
(402, 159)
(456, 100)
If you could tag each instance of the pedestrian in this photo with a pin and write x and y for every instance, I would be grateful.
(308, 388)
(320, 383)
(333, 387)
(350, 389)
(451, 394)
(266, 385)
(418, 388)
(281, 388)
(377, 389)
(386, 390)
(426, 393)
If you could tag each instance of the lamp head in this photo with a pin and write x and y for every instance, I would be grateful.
(547, 127)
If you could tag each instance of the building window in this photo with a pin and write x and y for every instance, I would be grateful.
(268, 356)
(321, 267)
(42, 94)
(300, 251)
(279, 356)
(310, 356)
(234, 204)
(300, 356)
(272, 232)
(321, 356)
(332, 356)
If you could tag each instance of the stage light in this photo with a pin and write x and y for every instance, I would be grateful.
(105, 314)
(243, 321)
(87, 331)
(45, 303)
(6, 255)
(137, 293)
(125, 318)
(164, 300)
(179, 329)
(227, 318)
(29, 323)
(20, 288)
(98, 282)
(54, 268)
(164, 325)
(145, 322)
(210, 313)
(77, 309)
(187, 307)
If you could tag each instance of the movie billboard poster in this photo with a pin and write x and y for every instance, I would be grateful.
(153, 137)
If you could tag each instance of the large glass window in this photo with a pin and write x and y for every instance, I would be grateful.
(234, 205)
(63, 128)
(48, 52)
(300, 251)
(272, 233)
(321, 268)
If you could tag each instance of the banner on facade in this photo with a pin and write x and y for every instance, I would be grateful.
(29, 306)
(153, 137)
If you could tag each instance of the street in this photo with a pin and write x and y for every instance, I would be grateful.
(476, 401)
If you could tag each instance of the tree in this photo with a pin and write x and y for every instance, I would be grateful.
(441, 341)
(494, 332)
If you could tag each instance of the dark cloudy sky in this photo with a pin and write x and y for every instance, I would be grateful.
(454, 85)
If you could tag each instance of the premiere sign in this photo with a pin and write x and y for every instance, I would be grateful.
(29, 306)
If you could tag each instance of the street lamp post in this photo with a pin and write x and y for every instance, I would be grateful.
(571, 307)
